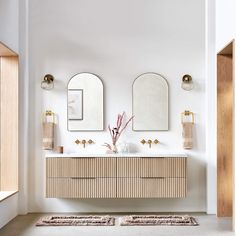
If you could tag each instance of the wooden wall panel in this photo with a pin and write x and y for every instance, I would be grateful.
(224, 134)
(9, 123)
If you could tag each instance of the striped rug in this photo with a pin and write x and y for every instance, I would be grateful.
(165, 220)
(76, 220)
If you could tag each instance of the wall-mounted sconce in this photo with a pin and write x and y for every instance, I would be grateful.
(47, 82)
(187, 82)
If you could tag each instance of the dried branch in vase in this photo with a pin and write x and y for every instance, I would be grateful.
(116, 132)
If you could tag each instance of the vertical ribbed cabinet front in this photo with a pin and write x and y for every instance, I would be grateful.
(81, 177)
(151, 177)
(116, 177)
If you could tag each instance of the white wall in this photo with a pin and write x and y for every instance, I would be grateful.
(117, 40)
(24, 106)
(9, 23)
(8, 209)
(9, 36)
(225, 20)
(211, 106)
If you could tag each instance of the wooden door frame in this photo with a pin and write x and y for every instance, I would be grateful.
(9, 120)
(229, 50)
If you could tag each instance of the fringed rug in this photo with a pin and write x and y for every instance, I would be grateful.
(165, 220)
(75, 220)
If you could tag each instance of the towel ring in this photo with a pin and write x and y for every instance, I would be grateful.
(187, 113)
(48, 113)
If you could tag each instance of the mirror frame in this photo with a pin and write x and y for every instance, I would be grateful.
(168, 125)
(103, 122)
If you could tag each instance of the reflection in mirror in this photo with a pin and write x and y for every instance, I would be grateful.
(150, 103)
(85, 103)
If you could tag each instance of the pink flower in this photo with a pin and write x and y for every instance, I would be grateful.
(116, 132)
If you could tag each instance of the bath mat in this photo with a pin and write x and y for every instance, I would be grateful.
(74, 220)
(165, 220)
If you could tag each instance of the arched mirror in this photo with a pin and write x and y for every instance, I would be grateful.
(150, 103)
(85, 103)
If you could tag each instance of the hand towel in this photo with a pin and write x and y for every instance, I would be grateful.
(187, 135)
(48, 135)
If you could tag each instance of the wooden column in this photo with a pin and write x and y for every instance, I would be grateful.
(224, 132)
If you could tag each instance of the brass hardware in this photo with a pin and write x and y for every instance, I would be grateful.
(48, 113)
(187, 82)
(149, 142)
(77, 141)
(49, 78)
(83, 142)
(143, 141)
(47, 82)
(90, 141)
(187, 78)
(155, 141)
(187, 113)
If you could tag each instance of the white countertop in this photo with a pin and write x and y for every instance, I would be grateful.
(78, 155)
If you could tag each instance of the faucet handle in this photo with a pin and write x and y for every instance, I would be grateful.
(90, 141)
(143, 141)
(77, 141)
(156, 141)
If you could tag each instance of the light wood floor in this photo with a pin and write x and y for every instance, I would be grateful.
(209, 226)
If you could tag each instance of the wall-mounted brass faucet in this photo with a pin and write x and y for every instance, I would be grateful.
(83, 142)
(149, 142)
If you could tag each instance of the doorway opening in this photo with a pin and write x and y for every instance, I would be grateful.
(9, 64)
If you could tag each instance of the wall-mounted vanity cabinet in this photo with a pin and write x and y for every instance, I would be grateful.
(116, 176)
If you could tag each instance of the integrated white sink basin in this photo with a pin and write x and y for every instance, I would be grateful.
(78, 155)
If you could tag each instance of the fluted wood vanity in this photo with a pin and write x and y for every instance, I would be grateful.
(116, 176)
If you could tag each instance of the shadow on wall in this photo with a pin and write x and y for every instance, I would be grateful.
(119, 205)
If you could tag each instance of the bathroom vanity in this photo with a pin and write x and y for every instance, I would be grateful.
(116, 176)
